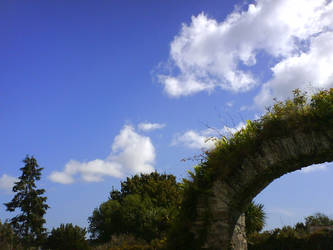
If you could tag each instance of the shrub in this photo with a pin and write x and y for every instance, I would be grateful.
(297, 237)
(124, 242)
(8, 239)
(67, 237)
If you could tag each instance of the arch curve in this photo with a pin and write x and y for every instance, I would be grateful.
(293, 134)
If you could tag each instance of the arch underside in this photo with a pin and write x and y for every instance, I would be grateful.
(230, 195)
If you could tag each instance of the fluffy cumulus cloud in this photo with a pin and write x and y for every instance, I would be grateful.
(204, 139)
(131, 153)
(7, 182)
(297, 34)
(150, 126)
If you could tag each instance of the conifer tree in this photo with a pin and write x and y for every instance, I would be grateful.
(28, 225)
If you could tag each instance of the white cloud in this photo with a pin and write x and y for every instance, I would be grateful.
(131, 153)
(64, 177)
(150, 126)
(7, 182)
(209, 54)
(204, 139)
(315, 168)
(193, 139)
(230, 104)
(313, 67)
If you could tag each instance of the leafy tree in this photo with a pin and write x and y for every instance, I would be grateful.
(144, 207)
(67, 237)
(318, 219)
(28, 225)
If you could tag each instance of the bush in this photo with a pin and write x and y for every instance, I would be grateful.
(67, 237)
(8, 239)
(298, 237)
(124, 242)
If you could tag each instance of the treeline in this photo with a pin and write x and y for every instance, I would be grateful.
(26, 229)
(138, 216)
(315, 233)
(141, 215)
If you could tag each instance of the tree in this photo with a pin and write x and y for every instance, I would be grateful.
(144, 207)
(28, 225)
(254, 218)
(67, 237)
(318, 219)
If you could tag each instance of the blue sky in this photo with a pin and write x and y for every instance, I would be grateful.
(98, 91)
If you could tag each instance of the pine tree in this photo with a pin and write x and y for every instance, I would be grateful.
(28, 225)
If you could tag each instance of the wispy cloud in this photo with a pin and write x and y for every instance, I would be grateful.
(281, 211)
(193, 139)
(207, 53)
(7, 182)
(131, 153)
(150, 126)
(204, 139)
(230, 104)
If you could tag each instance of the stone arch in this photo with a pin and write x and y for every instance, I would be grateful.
(230, 198)
(304, 137)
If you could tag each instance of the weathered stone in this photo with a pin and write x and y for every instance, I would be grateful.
(230, 195)
(238, 241)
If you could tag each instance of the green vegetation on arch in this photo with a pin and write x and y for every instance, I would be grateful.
(298, 114)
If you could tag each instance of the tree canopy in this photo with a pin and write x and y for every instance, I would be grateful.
(144, 207)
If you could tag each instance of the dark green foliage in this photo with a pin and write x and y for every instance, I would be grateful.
(289, 239)
(144, 207)
(8, 239)
(301, 236)
(254, 218)
(67, 237)
(125, 242)
(28, 225)
(318, 219)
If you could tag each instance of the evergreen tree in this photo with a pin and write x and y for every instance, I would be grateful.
(28, 225)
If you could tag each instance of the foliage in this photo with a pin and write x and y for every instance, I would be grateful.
(8, 239)
(144, 207)
(301, 114)
(67, 237)
(28, 225)
(318, 219)
(298, 237)
(124, 242)
(254, 218)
